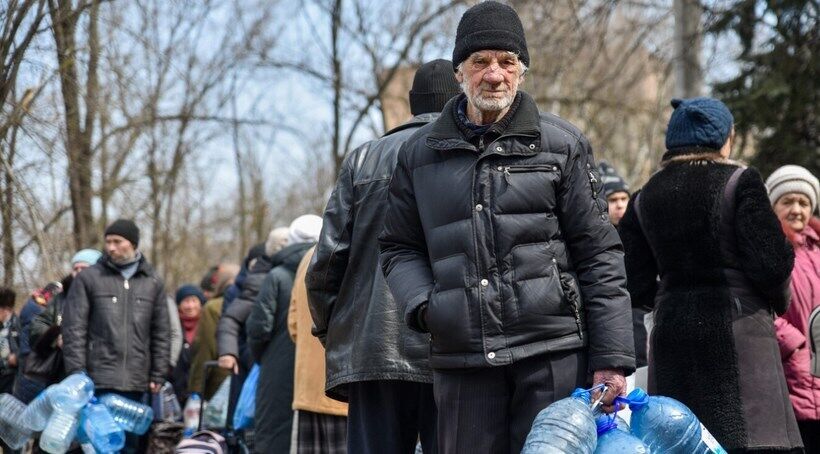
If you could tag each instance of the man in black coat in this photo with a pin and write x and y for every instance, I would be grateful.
(497, 243)
(117, 328)
(374, 362)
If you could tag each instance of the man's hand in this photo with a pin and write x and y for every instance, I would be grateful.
(229, 362)
(12, 360)
(616, 383)
(60, 341)
(154, 387)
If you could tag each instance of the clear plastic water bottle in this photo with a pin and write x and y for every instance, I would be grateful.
(101, 429)
(668, 426)
(60, 431)
(11, 431)
(38, 410)
(190, 415)
(71, 394)
(85, 443)
(132, 416)
(216, 412)
(566, 427)
(165, 404)
(613, 440)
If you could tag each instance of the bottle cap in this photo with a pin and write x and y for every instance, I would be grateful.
(582, 394)
(637, 398)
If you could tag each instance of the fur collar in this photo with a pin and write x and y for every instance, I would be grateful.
(701, 159)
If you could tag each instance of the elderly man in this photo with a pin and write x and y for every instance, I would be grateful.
(496, 242)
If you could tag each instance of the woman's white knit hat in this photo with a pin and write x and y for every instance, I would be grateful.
(793, 178)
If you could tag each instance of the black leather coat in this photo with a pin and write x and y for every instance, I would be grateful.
(507, 242)
(352, 308)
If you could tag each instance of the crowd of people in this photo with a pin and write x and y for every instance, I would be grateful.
(472, 266)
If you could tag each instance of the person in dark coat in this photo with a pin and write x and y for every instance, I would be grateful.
(189, 300)
(117, 328)
(231, 344)
(374, 361)
(9, 346)
(270, 343)
(497, 243)
(706, 252)
(616, 193)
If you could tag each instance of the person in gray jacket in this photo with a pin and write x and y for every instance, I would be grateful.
(117, 329)
(374, 362)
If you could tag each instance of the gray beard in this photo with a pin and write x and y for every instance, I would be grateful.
(485, 104)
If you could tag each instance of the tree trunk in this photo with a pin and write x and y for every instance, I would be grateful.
(7, 214)
(688, 72)
(78, 139)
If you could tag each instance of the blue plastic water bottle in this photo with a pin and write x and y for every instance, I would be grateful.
(612, 439)
(71, 394)
(38, 410)
(60, 431)
(132, 416)
(620, 423)
(101, 429)
(668, 426)
(566, 426)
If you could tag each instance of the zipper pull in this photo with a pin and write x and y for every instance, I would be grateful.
(592, 178)
(507, 174)
(578, 321)
(481, 144)
(126, 284)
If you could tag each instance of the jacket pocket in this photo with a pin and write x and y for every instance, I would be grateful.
(525, 188)
(449, 321)
(537, 280)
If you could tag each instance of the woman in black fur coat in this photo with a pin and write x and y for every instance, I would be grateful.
(706, 252)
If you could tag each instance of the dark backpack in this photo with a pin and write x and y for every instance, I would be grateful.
(203, 442)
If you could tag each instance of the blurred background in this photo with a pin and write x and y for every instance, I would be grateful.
(210, 122)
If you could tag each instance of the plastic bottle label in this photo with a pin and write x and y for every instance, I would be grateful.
(710, 442)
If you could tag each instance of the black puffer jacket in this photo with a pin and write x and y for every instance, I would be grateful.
(354, 314)
(117, 329)
(230, 332)
(508, 242)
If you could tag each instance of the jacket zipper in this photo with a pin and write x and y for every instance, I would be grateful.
(592, 182)
(576, 310)
(124, 311)
(527, 169)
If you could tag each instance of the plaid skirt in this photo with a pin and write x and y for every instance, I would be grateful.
(315, 433)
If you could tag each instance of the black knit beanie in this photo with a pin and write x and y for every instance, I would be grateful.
(490, 26)
(126, 229)
(434, 85)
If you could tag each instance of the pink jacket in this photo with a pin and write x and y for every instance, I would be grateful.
(792, 327)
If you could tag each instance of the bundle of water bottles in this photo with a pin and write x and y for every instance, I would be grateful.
(68, 411)
(658, 424)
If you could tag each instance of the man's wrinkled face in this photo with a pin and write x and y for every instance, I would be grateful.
(617, 202)
(119, 249)
(794, 209)
(490, 79)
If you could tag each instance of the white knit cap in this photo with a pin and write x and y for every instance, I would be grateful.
(305, 229)
(793, 178)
